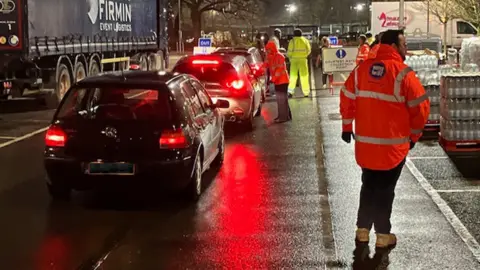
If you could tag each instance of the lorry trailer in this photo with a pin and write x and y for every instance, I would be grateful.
(48, 45)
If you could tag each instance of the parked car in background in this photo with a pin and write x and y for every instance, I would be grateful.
(227, 77)
(140, 127)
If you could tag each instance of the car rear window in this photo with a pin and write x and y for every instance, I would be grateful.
(207, 73)
(116, 104)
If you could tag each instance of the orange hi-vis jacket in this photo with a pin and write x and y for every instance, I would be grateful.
(363, 53)
(373, 51)
(277, 64)
(389, 106)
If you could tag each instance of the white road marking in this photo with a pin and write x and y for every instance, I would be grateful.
(7, 138)
(26, 136)
(414, 158)
(457, 225)
(457, 190)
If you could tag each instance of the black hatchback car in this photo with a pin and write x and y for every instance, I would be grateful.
(135, 127)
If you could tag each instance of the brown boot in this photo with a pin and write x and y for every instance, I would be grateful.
(386, 240)
(362, 235)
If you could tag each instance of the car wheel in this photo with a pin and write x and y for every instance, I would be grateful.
(59, 192)
(218, 161)
(194, 189)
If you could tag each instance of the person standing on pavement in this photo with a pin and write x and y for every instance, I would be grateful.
(277, 35)
(390, 109)
(324, 44)
(279, 76)
(298, 51)
(370, 38)
(363, 49)
(374, 47)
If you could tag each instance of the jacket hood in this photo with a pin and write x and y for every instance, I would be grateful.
(271, 48)
(387, 52)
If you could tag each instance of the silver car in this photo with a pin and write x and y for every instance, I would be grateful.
(230, 78)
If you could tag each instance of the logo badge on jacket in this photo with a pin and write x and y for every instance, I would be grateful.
(377, 70)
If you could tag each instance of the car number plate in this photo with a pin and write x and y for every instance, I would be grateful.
(116, 168)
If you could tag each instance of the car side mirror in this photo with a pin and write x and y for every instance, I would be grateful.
(222, 104)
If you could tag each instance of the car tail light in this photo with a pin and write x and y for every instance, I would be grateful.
(55, 137)
(236, 84)
(172, 139)
(206, 62)
(134, 67)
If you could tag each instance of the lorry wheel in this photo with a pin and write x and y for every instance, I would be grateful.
(143, 62)
(94, 68)
(79, 72)
(152, 62)
(64, 81)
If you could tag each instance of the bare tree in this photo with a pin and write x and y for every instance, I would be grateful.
(444, 11)
(199, 7)
(468, 10)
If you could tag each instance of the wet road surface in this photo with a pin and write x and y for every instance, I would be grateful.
(267, 207)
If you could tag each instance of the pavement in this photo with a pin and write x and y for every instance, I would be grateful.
(285, 198)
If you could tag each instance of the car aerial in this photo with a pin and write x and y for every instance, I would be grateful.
(227, 77)
(134, 127)
(255, 60)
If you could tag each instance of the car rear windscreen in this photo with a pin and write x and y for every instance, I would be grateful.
(207, 73)
(116, 104)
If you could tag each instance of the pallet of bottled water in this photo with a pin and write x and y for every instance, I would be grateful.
(460, 85)
(419, 62)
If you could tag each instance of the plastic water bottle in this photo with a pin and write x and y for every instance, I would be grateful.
(471, 109)
(477, 130)
(471, 130)
(463, 108)
(477, 86)
(471, 87)
(457, 127)
(464, 130)
(449, 132)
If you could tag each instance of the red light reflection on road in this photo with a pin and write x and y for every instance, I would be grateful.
(241, 219)
(53, 254)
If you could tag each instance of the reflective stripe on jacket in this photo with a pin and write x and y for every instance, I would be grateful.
(389, 106)
(299, 47)
(277, 64)
(363, 53)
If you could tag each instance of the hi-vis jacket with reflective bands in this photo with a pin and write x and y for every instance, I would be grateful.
(299, 48)
(276, 63)
(373, 51)
(363, 53)
(389, 106)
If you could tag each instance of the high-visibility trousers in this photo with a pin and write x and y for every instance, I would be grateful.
(296, 66)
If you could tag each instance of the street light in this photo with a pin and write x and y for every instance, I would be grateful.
(359, 7)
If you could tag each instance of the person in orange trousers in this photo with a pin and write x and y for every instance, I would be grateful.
(279, 76)
(390, 108)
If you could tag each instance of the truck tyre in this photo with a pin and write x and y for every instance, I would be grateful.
(79, 72)
(63, 81)
(94, 68)
(152, 62)
(143, 62)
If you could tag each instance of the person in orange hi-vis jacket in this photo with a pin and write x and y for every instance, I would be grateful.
(390, 108)
(363, 49)
(279, 76)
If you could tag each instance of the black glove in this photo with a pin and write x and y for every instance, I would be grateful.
(412, 144)
(347, 136)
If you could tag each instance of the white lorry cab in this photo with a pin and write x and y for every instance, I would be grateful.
(385, 15)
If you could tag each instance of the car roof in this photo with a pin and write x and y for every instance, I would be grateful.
(235, 60)
(136, 78)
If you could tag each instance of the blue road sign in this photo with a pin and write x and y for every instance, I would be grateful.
(341, 53)
(204, 42)
(333, 40)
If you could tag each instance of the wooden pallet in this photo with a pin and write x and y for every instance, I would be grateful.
(458, 146)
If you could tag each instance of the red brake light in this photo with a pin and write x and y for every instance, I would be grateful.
(205, 62)
(236, 84)
(55, 137)
(172, 139)
(134, 67)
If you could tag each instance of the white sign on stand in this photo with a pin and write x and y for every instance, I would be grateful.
(203, 50)
(340, 59)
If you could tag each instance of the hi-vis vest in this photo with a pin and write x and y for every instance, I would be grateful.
(299, 48)
(389, 106)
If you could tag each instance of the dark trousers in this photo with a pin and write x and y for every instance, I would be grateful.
(284, 113)
(376, 198)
